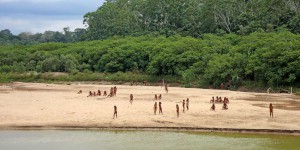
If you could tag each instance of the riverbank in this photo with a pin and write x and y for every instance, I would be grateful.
(53, 106)
(172, 129)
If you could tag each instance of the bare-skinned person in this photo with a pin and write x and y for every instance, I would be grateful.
(166, 88)
(131, 98)
(226, 100)
(187, 104)
(177, 110)
(160, 108)
(225, 106)
(111, 94)
(271, 110)
(212, 100)
(155, 108)
(90, 94)
(213, 107)
(115, 91)
(115, 112)
(183, 105)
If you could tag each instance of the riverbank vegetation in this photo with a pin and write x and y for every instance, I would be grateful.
(268, 59)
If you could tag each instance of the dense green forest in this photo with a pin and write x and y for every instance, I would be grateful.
(191, 17)
(199, 43)
(266, 58)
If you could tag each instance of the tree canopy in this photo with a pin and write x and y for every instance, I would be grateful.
(191, 17)
(267, 58)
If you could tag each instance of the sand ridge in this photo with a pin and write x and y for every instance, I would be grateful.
(40, 104)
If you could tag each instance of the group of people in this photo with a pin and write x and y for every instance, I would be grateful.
(185, 103)
(225, 101)
(157, 97)
(113, 92)
(159, 106)
(219, 100)
(98, 93)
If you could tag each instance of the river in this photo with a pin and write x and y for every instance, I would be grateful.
(98, 140)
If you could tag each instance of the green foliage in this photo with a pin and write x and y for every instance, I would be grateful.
(266, 58)
(191, 17)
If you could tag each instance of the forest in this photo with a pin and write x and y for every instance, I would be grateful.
(199, 43)
(191, 17)
(266, 58)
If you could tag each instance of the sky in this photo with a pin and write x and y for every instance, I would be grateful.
(37, 16)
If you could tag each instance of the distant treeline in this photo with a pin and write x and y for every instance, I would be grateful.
(27, 38)
(266, 58)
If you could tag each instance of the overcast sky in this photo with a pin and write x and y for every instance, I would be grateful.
(41, 15)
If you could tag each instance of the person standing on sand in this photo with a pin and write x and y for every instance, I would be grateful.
(225, 106)
(155, 108)
(131, 98)
(166, 88)
(187, 104)
(160, 108)
(115, 91)
(90, 94)
(212, 100)
(115, 112)
(177, 110)
(183, 105)
(271, 110)
(213, 107)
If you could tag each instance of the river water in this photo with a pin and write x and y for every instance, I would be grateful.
(98, 140)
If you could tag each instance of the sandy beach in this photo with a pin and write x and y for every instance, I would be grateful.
(52, 105)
